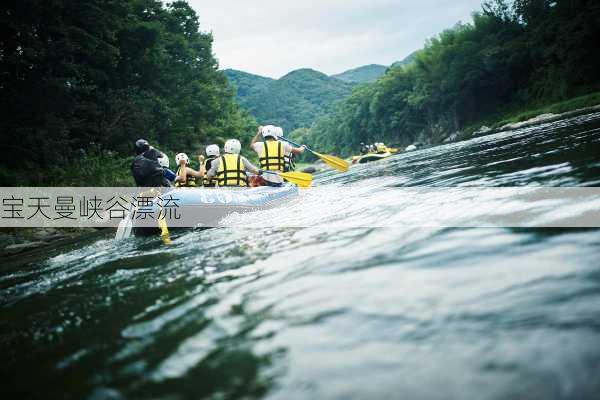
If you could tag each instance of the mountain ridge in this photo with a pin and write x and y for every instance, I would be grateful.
(301, 96)
(363, 74)
(295, 100)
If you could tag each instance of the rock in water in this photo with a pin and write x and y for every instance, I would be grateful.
(452, 137)
(482, 131)
(104, 393)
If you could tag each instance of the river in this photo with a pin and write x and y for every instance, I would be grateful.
(328, 311)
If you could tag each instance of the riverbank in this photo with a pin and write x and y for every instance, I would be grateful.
(574, 107)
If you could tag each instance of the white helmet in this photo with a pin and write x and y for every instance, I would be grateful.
(182, 156)
(232, 146)
(163, 160)
(212, 150)
(269, 131)
(278, 131)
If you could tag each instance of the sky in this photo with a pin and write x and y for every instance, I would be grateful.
(271, 38)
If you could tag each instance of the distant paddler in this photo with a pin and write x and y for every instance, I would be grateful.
(364, 148)
(373, 152)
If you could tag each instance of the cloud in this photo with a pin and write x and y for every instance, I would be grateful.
(272, 38)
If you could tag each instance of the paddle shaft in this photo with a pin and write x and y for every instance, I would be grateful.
(296, 144)
(332, 161)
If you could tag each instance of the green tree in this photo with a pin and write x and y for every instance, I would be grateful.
(92, 76)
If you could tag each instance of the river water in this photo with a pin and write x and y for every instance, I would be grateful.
(328, 312)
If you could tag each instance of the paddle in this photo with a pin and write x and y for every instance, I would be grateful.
(332, 161)
(124, 228)
(126, 224)
(164, 230)
(302, 179)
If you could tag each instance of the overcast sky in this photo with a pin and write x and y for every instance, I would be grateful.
(274, 37)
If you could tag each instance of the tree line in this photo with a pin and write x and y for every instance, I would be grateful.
(512, 56)
(82, 80)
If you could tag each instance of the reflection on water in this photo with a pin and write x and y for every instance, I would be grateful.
(323, 311)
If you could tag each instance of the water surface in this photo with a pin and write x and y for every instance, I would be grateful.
(324, 311)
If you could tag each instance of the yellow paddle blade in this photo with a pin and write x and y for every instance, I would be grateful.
(302, 179)
(333, 161)
(164, 230)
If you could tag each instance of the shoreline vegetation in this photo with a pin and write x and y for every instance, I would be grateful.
(537, 115)
(570, 108)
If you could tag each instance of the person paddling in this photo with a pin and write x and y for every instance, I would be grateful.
(230, 169)
(289, 155)
(271, 152)
(186, 176)
(380, 148)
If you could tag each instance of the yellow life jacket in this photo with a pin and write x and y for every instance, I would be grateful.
(190, 181)
(205, 181)
(273, 158)
(231, 171)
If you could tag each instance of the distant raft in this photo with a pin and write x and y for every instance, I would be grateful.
(365, 158)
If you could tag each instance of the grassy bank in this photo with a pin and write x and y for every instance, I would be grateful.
(99, 169)
(554, 108)
(102, 170)
(518, 115)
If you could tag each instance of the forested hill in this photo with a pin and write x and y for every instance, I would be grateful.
(406, 60)
(295, 100)
(513, 57)
(80, 81)
(246, 84)
(366, 73)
